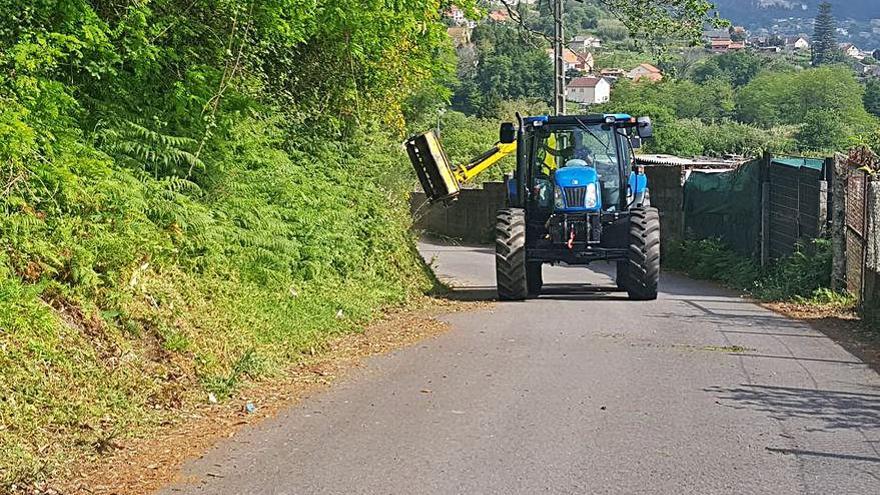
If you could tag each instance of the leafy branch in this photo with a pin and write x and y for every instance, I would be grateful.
(651, 22)
(655, 21)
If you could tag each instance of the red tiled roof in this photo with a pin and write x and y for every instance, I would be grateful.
(499, 15)
(584, 82)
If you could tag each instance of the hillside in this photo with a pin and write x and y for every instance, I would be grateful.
(762, 12)
(856, 19)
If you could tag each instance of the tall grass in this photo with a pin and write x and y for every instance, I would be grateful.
(123, 295)
(803, 276)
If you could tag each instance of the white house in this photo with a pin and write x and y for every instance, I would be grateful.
(798, 43)
(456, 14)
(584, 43)
(851, 50)
(589, 90)
(582, 62)
(458, 17)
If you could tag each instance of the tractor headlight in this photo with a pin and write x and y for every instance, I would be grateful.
(558, 198)
(592, 197)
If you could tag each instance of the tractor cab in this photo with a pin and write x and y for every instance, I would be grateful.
(577, 164)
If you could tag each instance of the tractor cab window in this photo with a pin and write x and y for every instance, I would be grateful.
(588, 146)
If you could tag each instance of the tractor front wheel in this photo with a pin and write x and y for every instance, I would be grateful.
(510, 255)
(641, 274)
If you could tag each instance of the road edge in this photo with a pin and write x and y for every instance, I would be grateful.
(153, 460)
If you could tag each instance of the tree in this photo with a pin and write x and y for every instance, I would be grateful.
(737, 67)
(872, 97)
(737, 36)
(657, 21)
(775, 98)
(823, 131)
(579, 16)
(610, 29)
(508, 67)
(682, 64)
(676, 138)
(824, 47)
(652, 22)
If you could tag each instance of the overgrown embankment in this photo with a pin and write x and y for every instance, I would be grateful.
(803, 277)
(193, 194)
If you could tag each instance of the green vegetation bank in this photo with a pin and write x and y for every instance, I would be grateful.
(194, 193)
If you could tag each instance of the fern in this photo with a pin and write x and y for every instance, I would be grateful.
(162, 155)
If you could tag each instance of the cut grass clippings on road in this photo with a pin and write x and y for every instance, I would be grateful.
(149, 460)
(730, 349)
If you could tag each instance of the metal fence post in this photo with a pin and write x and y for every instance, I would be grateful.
(837, 169)
(765, 209)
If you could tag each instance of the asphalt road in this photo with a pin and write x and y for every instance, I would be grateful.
(580, 392)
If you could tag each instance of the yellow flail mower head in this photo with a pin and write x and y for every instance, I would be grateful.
(439, 179)
(435, 172)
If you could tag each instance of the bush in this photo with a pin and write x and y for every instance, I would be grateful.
(799, 275)
(803, 276)
(711, 259)
(823, 131)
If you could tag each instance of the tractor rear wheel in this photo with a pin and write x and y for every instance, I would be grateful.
(642, 272)
(510, 254)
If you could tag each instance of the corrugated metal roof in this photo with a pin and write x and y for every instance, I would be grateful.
(671, 161)
(662, 160)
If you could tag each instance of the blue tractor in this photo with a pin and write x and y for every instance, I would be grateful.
(575, 197)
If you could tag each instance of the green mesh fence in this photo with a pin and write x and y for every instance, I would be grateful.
(725, 205)
(817, 164)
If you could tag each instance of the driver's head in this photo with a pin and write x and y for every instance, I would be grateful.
(576, 162)
(581, 150)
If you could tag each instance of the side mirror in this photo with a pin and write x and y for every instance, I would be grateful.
(635, 142)
(645, 128)
(507, 133)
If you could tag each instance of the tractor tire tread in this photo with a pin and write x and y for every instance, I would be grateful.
(642, 274)
(510, 254)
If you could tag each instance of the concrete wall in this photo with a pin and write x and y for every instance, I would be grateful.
(667, 195)
(470, 218)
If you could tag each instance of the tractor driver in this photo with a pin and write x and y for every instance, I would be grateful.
(581, 151)
(555, 158)
(607, 171)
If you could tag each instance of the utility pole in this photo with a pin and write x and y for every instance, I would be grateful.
(558, 60)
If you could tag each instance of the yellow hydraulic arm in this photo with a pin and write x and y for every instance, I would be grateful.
(439, 179)
(468, 172)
